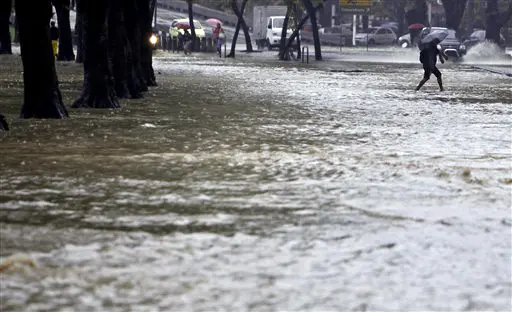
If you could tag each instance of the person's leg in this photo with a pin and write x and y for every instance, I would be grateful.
(438, 75)
(426, 77)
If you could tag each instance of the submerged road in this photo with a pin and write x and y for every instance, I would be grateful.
(255, 185)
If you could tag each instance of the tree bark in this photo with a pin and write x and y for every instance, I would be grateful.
(295, 33)
(98, 90)
(146, 17)
(240, 19)
(316, 37)
(282, 45)
(65, 40)
(42, 98)
(233, 41)
(5, 35)
(496, 20)
(136, 81)
(245, 28)
(191, 23)
(116, 40)
(454, 10)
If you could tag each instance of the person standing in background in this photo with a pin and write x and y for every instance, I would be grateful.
(54, 36)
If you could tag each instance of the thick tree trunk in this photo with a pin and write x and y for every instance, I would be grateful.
(454, 10)
(42, 98)
(233, 41)
(240, 19)
(191, 23)
(316, 37)
(496, 20)
(245, 28)
(295, 33)
(136, 81)
(98, 90)
(65, 40)
(146, 17)
(117, 39)
(5, 35)
(79, 37)
(282, 45)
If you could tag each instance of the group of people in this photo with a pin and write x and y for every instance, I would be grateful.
(218, 35)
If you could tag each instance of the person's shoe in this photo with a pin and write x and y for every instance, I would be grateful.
(441, 89)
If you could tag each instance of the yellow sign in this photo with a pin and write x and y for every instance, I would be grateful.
(356, 3)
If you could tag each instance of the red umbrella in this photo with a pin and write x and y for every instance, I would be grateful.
(213, 22)
(416, 26)
(182, 25)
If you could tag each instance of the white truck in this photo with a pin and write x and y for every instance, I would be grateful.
(268, 24)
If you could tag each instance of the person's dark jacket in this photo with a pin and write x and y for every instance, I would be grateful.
(54, 33)
(186, 37)
(428, 55)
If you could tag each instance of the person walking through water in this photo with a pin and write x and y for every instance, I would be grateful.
(186, 39)
(428, 58)
(54, 36)
(218, 32)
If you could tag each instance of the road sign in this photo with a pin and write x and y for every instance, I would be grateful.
(355, 6)
(356, 3)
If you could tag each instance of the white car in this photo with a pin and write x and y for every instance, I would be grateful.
(377, 35)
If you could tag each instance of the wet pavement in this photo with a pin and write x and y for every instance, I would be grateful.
(255, 185)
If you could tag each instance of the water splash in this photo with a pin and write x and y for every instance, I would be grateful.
(487, 53)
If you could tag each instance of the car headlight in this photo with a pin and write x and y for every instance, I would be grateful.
(462, 47)
(153, 39)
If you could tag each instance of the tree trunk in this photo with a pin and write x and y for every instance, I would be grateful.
(191, 23)
(233, 41)
(98, 90)
(454, 10)
(245, 28)
(295, 33)
(65, 40)
(42, 98)
(496, 20)
(79, 36)
(5, 35)
(240, 19)
(136, 81)
(316, 37)
(146, 53)
(282, 45)
(117, 39)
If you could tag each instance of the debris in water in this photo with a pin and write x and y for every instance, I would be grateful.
(16, 263)
(148, 125)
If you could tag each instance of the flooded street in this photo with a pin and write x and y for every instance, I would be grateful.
(245, 185)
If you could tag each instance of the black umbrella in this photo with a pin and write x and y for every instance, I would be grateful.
(439, 35)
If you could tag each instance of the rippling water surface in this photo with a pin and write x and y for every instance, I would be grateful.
(263, 186)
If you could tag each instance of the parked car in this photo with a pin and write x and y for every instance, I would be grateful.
(478, 36)
(377, 35)
(451, 45)
(174, 31)
(405, 40)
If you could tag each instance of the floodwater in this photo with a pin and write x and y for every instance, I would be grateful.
(240, 185)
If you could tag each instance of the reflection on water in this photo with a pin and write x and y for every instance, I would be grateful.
(242, 186)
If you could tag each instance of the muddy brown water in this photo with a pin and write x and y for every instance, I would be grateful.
(259, 186)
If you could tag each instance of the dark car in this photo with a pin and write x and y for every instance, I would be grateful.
(451, 45)
(478, 36)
